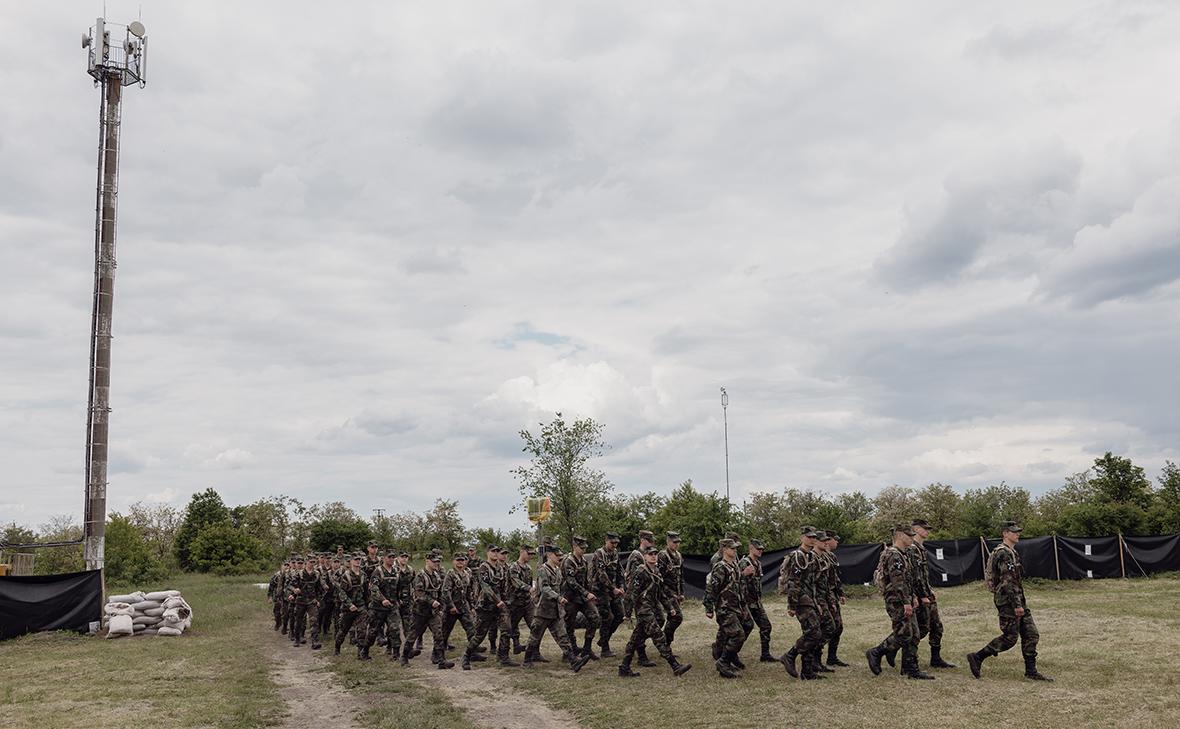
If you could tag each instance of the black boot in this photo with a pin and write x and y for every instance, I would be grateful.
(736, 661)
(788, 661)
(891, 658)
(604, 648)
(362, 653)
(643, 659)
(443, 663)
(909, 665)
(817, 661)
(724, 668)
(467, 661)
(807, 672)
(507, 662)
(538, 658)
(625, 667)
(336, 649)
(975, 660)
(586, 650)
(716, 650)
(578, 661)
(833, 659)
(936, 658)
(516, 646)
(766, 657)
(678, 668)
(1030, 670)
(874, 657)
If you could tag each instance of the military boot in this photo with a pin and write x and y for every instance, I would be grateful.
(833, 659)
(625, 667)
(909, 665)
(724, 668)
(874, 656)
(643, 660)
(678, 668)
(604, 648)
(586, 650)
(507, 662)
(936, 658)
(788, 661)
(716, 650)
(362, 653)
(1031, 672)
(766, 657)
(538, 658)
(975, 660)
(443, 663)
(807, 670)
(528, 659)
(404, 655)
(736, 661)
(336, 648)
(891, 657)
(578, 661)
(477, 657)
(467, 661)
(516, 646)
(817, 661)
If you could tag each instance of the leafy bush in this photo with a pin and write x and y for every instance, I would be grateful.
(226, 550)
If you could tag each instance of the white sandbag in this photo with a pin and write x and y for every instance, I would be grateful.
(154, 612)
(146, 631)
(145, 620)
(174, 601)
(139, 607)
(117, 608)
(137, 628)
(123, 598)
(168, 631)
(161, 595)
(120, 625)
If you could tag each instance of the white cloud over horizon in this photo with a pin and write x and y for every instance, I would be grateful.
(916, 243)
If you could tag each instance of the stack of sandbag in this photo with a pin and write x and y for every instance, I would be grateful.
(153, 613)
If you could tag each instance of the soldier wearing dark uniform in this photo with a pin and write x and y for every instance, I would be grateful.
(519, 603)
(797, 581)
(371, 560)
(289, 597)
(307, 591)
(456, 593)
(606, 579)
(274, 593)
(836, 598)
(351, 597)
(328, 605)
(752, 592)
(546, 615)
(575, 583)
(1004, 577)
(901, 601)
(827, 623)
(405, 579)
(489, 605)
(725, 598)
(384, 609)
(427, 607)
(929, 621)
(670, 564)
(634, 561)
(645, 588)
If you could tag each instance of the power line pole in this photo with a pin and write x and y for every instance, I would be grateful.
(725, 423)
(113, 66)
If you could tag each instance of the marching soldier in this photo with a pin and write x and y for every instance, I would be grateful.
(752, 592)
(896, 583)
(929, 621)
(549, 596)
(384, 608)
(489, 605)
(371, 561)
(797, 581)
(606, 578)
(827, 623)
(645, 588)
(274, 593)
(1004, 577)
(456, 592)
(725, 598)
(575, 582)
(351, 596)
(671, 567)
(405, 579)
(328, 604)
(635, 561)
(519, 606)
(427, 607)
(836, 598)
(289, 596)
(306, 592)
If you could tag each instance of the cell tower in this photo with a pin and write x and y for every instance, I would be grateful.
(114, 62)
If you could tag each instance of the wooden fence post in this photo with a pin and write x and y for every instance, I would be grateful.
(1122, 561)
(983, 556)
(1056, 559)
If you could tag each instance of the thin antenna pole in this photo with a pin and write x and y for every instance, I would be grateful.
(725, 426)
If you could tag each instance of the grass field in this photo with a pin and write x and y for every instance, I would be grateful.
(1113, 646)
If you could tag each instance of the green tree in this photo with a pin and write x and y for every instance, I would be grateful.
(223, 549)
(1051, 506)
(159, 524)
(892, 506)
(623, 514)
(273, 522)
(129, 559)
(1119, 481)
(985, 510)
(205, 509)
(1103, 518)
(701, 519)
(559, 467)
(940, 505)
(352, 534)
(59, 560)
(442, 526)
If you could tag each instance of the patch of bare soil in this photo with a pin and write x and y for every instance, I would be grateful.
(491, 705)
(295, 671)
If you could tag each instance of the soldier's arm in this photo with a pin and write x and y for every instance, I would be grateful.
(571, 585)
(483, 585)
(1008, 592)
(897, 579)
(545, 586)
(837, 583)
(713, 587)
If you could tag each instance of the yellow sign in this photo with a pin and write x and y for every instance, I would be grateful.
(539, 510)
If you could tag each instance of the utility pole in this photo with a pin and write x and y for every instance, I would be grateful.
(113, 65)
(725, 424)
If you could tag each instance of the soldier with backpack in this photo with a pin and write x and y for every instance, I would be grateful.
(894, 578)
(1003, 576)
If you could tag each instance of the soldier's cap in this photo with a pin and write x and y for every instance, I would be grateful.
(387, 553)
(612, 537)
(339, 548)
(729, 544)
(434, 557)
(649, 549)
(504, 550)
(821, 535)
(645, 534)
(1011, 526)
(733, 535)
(807, 531)
(495, 549)
(460, 557)
(833, 537)
(921, 523)
(904, 529)
(674, 537)
(372, 543)
(756, 543)
(403, 553)
(528, 549)
(553, 549)
(354, 556)
(580, 541)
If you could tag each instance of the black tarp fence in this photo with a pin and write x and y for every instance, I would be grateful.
(959, 561)
(49, 602)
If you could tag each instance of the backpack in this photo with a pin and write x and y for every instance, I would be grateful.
(879, 572)
(989, 570)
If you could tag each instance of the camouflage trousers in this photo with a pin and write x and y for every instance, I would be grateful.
(383, 620)
(347, 619)
(485, 622)
(278, 612)
(1013, 629)
(463, 617)
(419, 623)
(518, 612)
(327, 612)
(675, 619)
(610, 611)
(837, 620)
(648, 627)
(811, 635)
(929, 623)
(758, 617)
(827, 624)
(732, 629)
(306, 617)
(905, 629)
(589, 611)
(556, 628)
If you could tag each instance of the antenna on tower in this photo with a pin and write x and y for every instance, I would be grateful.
(117, 57)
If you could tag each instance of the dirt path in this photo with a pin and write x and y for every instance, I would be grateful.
(498, 708)
(327, 704)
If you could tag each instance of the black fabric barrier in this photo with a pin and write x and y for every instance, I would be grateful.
(49, 602)
(1152, 554)
(1103, 560)
(959, 563)
(857, 562)
(1036, 554)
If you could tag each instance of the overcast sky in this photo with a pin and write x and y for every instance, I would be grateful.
(360, 247)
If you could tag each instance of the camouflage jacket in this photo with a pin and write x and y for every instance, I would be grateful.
(646, 591)
(606, 574)
(426, 590)
(274, 590)
(751, 584)
(368, 565)
(834, 581)
(915, 554)
(352, 589)
(633, 562)
(898, 576)
(310, 586)
(671, 567)
(575, 578)
(456, 590)
(549, 589)
(383, 586)
(489, 587)
(724, 594)
(519, 583)
(797, 579)
(1008, 577)
(405, 578)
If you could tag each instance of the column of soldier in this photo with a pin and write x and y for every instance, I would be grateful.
(380, 599)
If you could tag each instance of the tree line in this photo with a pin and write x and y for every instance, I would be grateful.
(151, 541)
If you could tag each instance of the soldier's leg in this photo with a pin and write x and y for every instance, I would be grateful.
(570, 619)
(297, 618)
(376, 622)
(536, 633)
(483, 623)
(418, 625)
(504, 623)
(827, 629)
(675, 618)
(1009, 632)
(593, 621)
(313, 619)
(448, 625)
(393, 638)
(834, 643)
(762, 620)
(1029, 635)
(922, 613)
(440, 641)
(342, 625)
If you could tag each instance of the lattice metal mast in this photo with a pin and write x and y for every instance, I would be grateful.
(113, 64)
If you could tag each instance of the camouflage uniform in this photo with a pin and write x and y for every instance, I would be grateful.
(634, 562)
(671, 568)
(797, 580)
(823, 589)
(307, 602)
(274, 592)
(351, 591)
(752, 593)
(425, 591)
(405, 581)
(928, 620)
(899, 592)
(519, 605)
(328, 607)
(575, 582)
(606, 576)
(725, 598)
(546, 617)
(381, 618)
(489, 588)
(1007, 579)
(645, 587)
(456, 592)
(835, 595)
